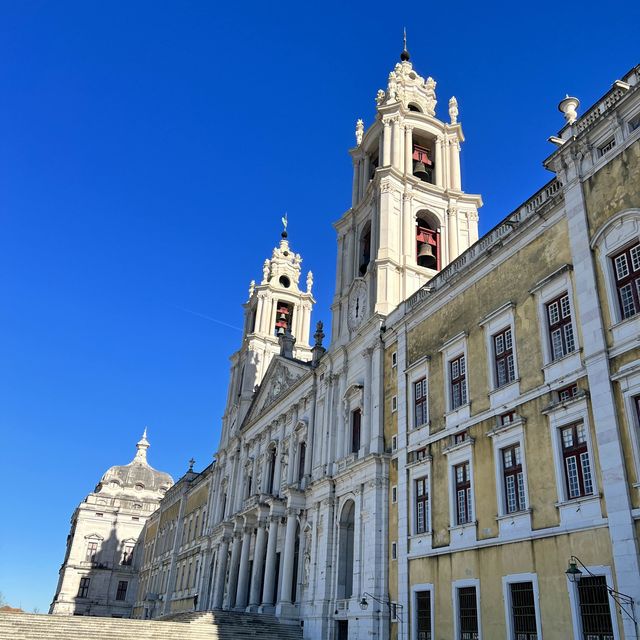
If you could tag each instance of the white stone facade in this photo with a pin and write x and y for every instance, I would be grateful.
(99, 575)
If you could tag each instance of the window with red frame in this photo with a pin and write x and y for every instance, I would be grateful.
(503, 354)
(576, 461)
(420, 403)
(514, 496)
(463, 493)
(458, 381)
(626, 267)
(422, 504)
(561, 337)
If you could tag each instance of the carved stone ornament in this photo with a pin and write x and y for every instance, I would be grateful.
(281, 379)
(359, 131)
(453, 110)
(380, 96)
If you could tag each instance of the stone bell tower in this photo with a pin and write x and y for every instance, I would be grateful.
(276, 307)
(409, 216)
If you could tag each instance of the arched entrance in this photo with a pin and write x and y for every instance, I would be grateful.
(345, 550)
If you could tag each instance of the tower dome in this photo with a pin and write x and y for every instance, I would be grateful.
(137, 475)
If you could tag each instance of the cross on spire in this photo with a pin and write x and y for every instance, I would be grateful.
(191, 463)
(404, 56)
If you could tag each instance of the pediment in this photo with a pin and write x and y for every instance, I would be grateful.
(281, 374)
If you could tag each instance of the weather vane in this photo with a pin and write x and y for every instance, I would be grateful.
(285, 221)
(405, 37)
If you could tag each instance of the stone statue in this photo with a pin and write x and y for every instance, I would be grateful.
(310, 274)
(453, 110)
(359, 131)
(380, 97)
(252, 286)
(265, 272)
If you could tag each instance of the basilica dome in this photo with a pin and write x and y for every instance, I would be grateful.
(137, 475)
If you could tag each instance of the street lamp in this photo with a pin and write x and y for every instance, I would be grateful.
(394, 607)
(624, 602)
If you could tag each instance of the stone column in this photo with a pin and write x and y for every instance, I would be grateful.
(289, 548)
(221, 572)
(258, 565)
(452, 220)
(454, 150)
(341, 426)
(243, 571)
(365, 434)
(395, 160)
(367, 169)
(354, 192)
(408, 150)
(233, 569)
(277, 470)
(438, 161)
(386, 144)
(270, 563)
(377, 440)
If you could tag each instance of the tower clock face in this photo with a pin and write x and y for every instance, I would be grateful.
(357, 304)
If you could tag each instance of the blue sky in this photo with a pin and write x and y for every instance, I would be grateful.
(148, 151)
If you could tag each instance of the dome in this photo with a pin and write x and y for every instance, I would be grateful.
(137, 475)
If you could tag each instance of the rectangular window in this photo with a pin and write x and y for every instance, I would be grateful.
(83, 590)
(127, 554)
(561, 337)
(394, 359)
(121, 593)
(468, 612)
(458, 382)
(503, 354)
(422, 505)
(513, 479)
(567, 393)
(595, 613)
(423, 614)
(394, 551)
(523, 611)
(606, 147)
(507, 418)
(92, 551)
(394, 494)
(356, 419)
(634, 123)
(577, 466)
(627, 274)
(463, 493)
(420, 402)
(394, 403)
(458, 438)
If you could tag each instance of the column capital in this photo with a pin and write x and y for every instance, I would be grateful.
(292, 512)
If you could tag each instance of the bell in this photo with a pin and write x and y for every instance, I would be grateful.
(420, 171)
(427, 256)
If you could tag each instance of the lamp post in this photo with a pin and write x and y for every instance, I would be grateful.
(394, 607)
(624, 602)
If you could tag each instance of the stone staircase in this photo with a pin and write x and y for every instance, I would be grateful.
(205, 625)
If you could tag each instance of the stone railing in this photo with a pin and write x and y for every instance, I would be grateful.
(492, 239)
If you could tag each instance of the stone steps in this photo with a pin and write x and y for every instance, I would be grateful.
(194, 626)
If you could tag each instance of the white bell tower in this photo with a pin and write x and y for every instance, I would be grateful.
(277, 306)
(409, 216)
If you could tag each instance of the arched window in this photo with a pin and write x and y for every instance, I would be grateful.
(365, 249)
(271, 469)
(296, 560)
(302, 454)
(414, 107)
(427, 241)
(345, 551)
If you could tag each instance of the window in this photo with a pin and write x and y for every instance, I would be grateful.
(121, 593)
(457, 378)
(567, 393)
(83, 590)
(577, 466)
(394, 403)
(507, 418)
(468, 614)
(560, 327)
(463, 493)
(523, 611)
(422, 505)
(514, 494)
(503, 354)
(356, 419)
(420, 454)
(423, 615)
(92, 551)
(626, 266)
(394, 551)
(606, 147)
(394, 359)
(302, 454)
(127, 554)
(394, 443)
(459, 438)
(420, 402)
(595, 614)
(394, 494)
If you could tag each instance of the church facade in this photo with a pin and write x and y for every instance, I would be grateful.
(473, 424)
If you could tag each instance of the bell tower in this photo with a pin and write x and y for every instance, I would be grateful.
(409, 216)
(276, 307)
